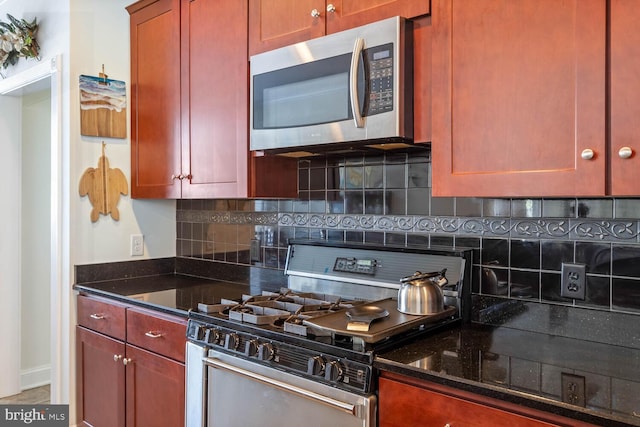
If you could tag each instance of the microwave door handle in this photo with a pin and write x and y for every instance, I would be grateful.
(353, 86)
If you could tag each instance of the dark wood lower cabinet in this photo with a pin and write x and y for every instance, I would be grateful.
(137, 381)
(404, 401)
(101, 379)
(155, 389)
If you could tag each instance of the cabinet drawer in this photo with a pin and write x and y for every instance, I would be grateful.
(156, 332)
(102, 316)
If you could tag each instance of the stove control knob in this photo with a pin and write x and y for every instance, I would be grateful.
(265, 351)
(212, 336)
(232, 341)
(315, 365)
(334, 371)
(251, 348)
(197, 332)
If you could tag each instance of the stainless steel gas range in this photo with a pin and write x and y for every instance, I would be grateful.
(304, 355)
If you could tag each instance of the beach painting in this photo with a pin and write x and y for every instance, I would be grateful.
(103, 107)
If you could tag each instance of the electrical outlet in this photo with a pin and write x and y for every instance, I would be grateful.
(573, 389)
(137, 244)
(574, 278)
(254, 250)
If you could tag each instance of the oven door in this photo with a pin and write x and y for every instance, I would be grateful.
(242, 393)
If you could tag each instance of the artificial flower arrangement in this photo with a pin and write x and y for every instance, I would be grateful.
(18, 39)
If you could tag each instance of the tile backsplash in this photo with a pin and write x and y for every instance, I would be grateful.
(520, 244)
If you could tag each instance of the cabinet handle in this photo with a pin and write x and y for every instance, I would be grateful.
(587, 154)
(180, 177)
(331, 8)
(117, 357)
(315, 13)
(153, 334)
(625, 152)
(97, 316)
(126, 361)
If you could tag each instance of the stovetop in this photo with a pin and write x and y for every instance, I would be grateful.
(338, 311)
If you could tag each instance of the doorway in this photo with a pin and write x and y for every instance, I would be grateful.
(30, 250)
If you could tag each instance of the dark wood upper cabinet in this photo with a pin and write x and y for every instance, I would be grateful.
(625, 99)
(155, 99)
(190, 125)
(278, 23)
(518, 95)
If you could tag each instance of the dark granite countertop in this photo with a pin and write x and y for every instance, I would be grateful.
(516, 355)
(527, 368)
(174, 285)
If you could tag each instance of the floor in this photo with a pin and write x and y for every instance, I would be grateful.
(38, 395)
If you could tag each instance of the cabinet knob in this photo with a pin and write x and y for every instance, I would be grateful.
(625, 152)
(315, 13)
(587, 154)
(331, 8)
(126, 361)
(97, 316)
(117, 357)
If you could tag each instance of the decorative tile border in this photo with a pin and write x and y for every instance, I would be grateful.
(521, 228)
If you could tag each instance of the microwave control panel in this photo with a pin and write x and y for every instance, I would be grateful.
(379, 60)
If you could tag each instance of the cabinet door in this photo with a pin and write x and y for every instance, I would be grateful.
(155, 99)
(100, 379)
(422, 79)
(401, 405)
(353, 13)
(215, 98)
(155, 390)
(518, 94)
(277, 23)
(625, 103)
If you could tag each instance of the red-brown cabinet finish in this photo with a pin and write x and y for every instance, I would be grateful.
(190, 124)
(214, 98)
(155, 99)
(422, 79)
(404, 401)
(155, 389)
(518, 95)
(278, 23)
(136, 380)
(100, 379)
(625, 102)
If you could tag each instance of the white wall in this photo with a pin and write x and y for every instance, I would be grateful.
(36, 239)
(10, 117)
(104, 29)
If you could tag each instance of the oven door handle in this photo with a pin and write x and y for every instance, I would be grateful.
(355, 410)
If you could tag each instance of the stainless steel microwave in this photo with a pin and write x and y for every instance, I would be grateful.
(333, 92)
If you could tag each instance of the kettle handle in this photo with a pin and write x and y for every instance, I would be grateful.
(443, 279)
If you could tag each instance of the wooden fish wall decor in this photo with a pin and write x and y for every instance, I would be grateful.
(103, 185)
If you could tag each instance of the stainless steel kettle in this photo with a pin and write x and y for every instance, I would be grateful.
(421, 293)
